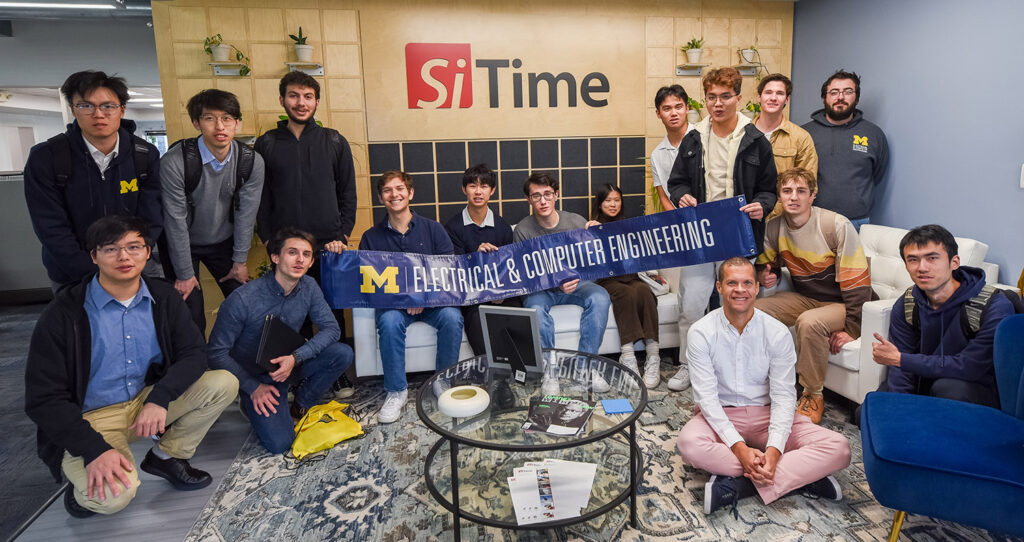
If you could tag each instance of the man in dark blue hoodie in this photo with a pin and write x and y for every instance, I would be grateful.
(93, 170)
(930, 351)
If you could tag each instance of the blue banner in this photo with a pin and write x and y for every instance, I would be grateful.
(706, 233)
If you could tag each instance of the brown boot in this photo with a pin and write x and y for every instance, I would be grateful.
(298, 412)
(811, 405)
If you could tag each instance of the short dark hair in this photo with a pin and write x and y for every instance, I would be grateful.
(276, 245)
(542, 179)
(922, 235)
(671, 90)
(109, 229)
(478, 173)
(735, 261)
(775, 77)
(388, 175)
(300, 79)
(84, 82)
(842, 74)
(597, 213)
(215, 100)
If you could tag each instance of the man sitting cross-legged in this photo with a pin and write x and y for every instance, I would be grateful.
(114, 359)
(291, 295)
(744, 430)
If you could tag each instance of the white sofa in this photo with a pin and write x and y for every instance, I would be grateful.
(852, 372)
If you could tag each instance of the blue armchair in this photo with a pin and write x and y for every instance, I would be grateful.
(952, 460)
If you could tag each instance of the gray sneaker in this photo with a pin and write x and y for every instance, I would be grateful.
(630, 363)
(652, 372)
(681, 381)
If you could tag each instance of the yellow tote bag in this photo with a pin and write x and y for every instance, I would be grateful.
(322, 427)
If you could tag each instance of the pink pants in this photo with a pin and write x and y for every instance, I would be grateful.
(812, 452)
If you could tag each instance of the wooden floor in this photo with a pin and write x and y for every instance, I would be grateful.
(159, 513)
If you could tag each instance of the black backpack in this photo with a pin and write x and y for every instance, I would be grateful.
(194, 172)
(60, 149)
(970, 312)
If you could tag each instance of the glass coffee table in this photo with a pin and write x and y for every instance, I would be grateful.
(484, 449)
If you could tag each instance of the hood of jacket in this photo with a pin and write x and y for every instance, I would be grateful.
(972, 280)
(819, 117)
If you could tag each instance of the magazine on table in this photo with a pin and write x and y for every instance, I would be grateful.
(558, 415)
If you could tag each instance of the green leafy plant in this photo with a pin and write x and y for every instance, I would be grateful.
(695, 43)
(694, 104)
(753, 107)
(300, 39)
(213, 41)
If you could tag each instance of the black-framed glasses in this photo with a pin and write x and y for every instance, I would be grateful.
(546, 196)
(845, 92)
(105, 108)
(226, 120)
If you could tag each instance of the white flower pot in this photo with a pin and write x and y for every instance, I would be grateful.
(221, 52)
(748, 55)
(304, 53)
(693, 55)
(693, 116)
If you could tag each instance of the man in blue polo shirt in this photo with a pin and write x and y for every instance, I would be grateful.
(479, 229)
(404, 231)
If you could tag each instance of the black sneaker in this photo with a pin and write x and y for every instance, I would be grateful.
(71, 504)
(178, 472)
(722, 490)
(826, 488)
(343, 387)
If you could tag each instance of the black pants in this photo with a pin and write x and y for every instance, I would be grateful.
(216, 258)
(948, 388)
(474, 328)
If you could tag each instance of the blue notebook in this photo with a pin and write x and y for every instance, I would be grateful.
(616, 406)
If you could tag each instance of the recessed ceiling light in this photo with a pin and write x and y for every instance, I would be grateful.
(159, 106)
(30, 5)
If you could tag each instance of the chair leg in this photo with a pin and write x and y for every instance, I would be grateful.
(897, 523)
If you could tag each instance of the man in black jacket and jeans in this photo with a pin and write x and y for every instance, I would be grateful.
(113, 359)
(724, 156)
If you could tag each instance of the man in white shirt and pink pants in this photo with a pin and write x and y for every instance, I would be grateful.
(745, 431)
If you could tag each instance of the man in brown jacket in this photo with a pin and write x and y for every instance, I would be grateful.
(791, 144)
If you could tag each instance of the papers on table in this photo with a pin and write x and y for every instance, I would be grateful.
(550, 490)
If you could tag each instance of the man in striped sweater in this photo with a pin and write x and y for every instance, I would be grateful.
(830, 278)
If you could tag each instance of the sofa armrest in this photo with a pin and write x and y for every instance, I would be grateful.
(671, 274)
(364, 335)
(991, 272)
(874, 319)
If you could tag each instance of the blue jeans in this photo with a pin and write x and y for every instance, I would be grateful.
(595, 302)
(858, 222)
(315, 376)
(391, 326)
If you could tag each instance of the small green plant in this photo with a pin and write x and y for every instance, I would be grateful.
(694, 104)
(300, 39)
(695, 43)
(753, 107)
(215, 40)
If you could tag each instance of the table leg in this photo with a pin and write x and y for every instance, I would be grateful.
(633, 465)
(456, 513)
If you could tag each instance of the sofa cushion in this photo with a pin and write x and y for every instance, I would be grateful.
(848, 356)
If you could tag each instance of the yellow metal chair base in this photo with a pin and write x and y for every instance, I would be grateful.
(897, 523)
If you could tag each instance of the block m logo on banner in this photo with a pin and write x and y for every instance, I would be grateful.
(438, 75)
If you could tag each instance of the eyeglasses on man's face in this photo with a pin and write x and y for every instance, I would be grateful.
(106, 109)
(834, 93)
(546, 196)
(111, 251)
(712, 98)
(226, 120)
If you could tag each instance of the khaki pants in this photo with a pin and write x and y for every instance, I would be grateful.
(189, 417)
(815, 321)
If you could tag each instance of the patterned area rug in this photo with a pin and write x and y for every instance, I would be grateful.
(372, 488)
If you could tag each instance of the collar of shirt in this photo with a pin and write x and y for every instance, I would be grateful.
(273, 287)
(100, 298)
(666, 145)
(386, 222)
(209, 158)
(488, 219)
(102, 160)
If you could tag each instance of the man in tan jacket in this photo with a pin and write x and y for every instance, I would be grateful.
(791, 144)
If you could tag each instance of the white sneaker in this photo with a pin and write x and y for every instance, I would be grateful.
(652, 372)
(630, 363)
(681, 381)
(599, 384)
(393, 403)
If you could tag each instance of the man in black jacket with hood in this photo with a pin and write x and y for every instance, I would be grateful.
(113, 359)
(97, 168)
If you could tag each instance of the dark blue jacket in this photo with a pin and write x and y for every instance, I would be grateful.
(60, 217)
(940, 349)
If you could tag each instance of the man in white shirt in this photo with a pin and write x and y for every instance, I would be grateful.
(744, 431)
(671, 107)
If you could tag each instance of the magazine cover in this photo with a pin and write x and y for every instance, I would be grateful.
(558, 415)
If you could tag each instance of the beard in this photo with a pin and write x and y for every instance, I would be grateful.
(840, 115)
(296, 120)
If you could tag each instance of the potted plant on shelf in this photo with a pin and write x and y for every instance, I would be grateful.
(748, 55)
(693, 50)
(221, 52)
(693, 115)
(302, 51)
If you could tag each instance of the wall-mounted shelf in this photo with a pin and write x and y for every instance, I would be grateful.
(248, 139)
(311, 68)
(227, 68)
(691, 69)
(749, 70)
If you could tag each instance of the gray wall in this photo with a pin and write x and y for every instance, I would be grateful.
(43, 53)
(942, 78)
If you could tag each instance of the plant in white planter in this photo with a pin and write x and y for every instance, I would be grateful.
(694, 49)
(693, 115)
(749, 55)
(221, 52)
(302, 51)
(751, 110)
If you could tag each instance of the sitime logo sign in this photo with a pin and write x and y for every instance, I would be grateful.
(439, 76)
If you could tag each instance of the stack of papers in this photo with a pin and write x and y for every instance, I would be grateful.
(551, 490)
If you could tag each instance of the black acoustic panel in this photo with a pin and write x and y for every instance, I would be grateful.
(631, 151)
(429, 211)
(483, 152)
(574, 153)
(378, 214)
(423, 185)
(544, 154)
(514, 155)
(514, 211)
(418, 157)
(601, 175)
(574, 182)
(510, 184)
(633, 206)
(446, 211)
(604, 151)
(580, 206)
(451, 156)
(384, 157)
(631, 180)
(449, 188)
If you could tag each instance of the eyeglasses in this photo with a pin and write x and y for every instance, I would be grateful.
(711, 98)
(111, 251)
(845, 92)
(546, 196)
(106, 109)
(226, 120)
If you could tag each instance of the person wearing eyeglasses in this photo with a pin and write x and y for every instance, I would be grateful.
(115, 358)
(98, 167)
(211, 187)
(852, 152)
(723, 157)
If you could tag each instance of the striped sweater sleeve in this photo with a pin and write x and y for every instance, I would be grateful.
(852, 273)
